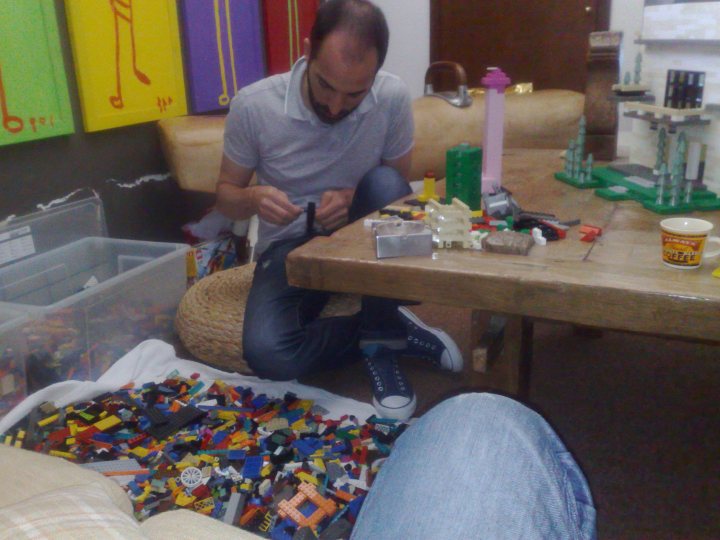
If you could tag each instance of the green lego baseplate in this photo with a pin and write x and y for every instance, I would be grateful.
(615, 186)
(576, 182)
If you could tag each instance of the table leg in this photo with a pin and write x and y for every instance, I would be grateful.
(517, 354)
(509, 338)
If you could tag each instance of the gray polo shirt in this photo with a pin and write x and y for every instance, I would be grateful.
(269, 129)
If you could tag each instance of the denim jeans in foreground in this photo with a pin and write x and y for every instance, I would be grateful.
(478, 466)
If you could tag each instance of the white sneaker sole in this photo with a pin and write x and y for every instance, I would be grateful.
(396, 413)
(451, 348)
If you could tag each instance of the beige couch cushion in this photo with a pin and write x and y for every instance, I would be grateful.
(192, 145)
(84, 512)
(49, 497)
(184, 524)
(541, 119)
(29, 474)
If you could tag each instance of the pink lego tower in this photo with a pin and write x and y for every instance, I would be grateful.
(495, 83)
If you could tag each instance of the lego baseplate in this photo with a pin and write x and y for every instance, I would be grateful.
(616, 186)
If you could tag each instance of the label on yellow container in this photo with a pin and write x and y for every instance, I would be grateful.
(684, 250)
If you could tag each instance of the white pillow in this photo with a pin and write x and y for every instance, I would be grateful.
(84, 512)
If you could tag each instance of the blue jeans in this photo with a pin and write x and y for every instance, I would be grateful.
(478, 466)
(283, 338)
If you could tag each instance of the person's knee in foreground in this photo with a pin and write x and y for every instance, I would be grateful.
(329, 133)
(478, 466)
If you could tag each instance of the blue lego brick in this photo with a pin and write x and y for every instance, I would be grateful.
(236, 455)
(219, 437)
(252, 467)
(307, 447)
(260, 401)
(354, 506)
(339, 447)
(307, 509)
(283, 530)
(132, 486)
(217, 510)
(105, 437)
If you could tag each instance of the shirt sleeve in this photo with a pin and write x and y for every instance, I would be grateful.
(240, 141)
(400, 136)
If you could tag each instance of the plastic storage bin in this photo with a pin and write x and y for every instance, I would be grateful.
(30, 235)
(13, 352)
(91, 301)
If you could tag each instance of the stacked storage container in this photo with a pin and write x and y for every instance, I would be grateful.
(87, 299)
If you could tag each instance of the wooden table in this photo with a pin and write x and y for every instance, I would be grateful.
(617, 282)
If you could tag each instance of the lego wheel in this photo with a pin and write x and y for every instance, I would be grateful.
(191, 477)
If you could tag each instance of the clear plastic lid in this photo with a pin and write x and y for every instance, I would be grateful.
(43, 231)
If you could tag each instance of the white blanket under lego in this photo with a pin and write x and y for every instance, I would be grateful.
(152, 361)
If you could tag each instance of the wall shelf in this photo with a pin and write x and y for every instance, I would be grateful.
(701, 42)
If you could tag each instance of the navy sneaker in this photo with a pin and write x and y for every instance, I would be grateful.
(393, 397)
(431, 343)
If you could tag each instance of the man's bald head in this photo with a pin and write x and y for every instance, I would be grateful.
(360, 19)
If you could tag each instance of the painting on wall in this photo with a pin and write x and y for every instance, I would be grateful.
(34, 101)
(287, 24)
(127, 61)
(682, 20)
(223, 50)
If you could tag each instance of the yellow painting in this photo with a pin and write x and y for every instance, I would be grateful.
(127, 61)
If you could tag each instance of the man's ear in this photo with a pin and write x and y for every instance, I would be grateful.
(306, 48)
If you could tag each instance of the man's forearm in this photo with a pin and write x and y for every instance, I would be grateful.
(235, 202)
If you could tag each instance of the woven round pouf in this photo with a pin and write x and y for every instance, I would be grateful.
(210, 317)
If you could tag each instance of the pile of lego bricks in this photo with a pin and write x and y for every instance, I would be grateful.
(276, 467)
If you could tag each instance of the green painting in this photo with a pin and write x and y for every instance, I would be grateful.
(34, 101)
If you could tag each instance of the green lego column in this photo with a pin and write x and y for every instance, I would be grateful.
(463, 172)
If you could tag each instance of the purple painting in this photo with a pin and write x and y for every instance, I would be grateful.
(223, 50)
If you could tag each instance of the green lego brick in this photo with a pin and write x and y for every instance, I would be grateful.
(665, 209)
(594, 183)
(612, 195)
(463, 173)
(707, 205)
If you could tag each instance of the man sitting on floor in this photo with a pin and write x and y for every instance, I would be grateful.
(335, 134)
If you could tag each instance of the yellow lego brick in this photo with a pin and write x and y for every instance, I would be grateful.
(8, 440)
(66, 455)
(266, 470)
(204, 506)
(70, 440)
(172, 484)
(307, 478)
(227, 415)
(48, 420)
(299, 425)
(107, 423)
(239, 436)
(139, 451)
(184, 500)
(476, 213)
(305, 404)
(320, 464)
(73, 428)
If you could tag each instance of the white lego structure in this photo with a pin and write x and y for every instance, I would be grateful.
(681, 36)
(450, 223)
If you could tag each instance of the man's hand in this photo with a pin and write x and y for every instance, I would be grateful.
(333, 210)
(274, 206)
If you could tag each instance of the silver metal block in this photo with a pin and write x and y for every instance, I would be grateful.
(402, 239)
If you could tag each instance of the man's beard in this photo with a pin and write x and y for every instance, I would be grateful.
(322, 111)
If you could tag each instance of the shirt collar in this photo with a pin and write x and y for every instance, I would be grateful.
(295, 107)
